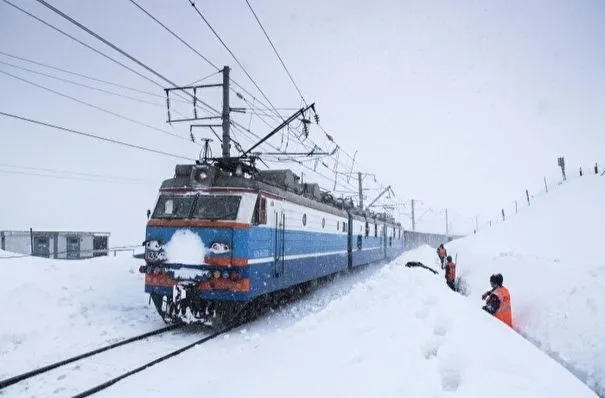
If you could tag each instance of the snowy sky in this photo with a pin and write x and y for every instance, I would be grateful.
(458, 106)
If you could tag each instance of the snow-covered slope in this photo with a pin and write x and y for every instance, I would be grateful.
(551, 259)
(401, 333)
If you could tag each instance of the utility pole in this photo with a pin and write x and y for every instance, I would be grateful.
(360, 178)
(225, 116)
(413, 217)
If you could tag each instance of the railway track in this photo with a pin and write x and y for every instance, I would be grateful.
(104, 366)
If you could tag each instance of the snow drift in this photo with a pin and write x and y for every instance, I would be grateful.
(550, 257)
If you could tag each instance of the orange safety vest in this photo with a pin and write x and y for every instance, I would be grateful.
(441, 252)
(450, 272)
(504, 312)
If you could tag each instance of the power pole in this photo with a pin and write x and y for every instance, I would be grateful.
(360, 178)
(225, 116)
(413, 217)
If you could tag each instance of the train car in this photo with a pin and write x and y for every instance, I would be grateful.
(259, 232)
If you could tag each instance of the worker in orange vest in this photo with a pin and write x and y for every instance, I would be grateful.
(450, 273)
(441, 252)
(498, 300)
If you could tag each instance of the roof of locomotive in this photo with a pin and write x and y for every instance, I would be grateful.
(281, 183)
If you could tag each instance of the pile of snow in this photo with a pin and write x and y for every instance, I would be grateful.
(53, 309)
(401, 333)
(551, 260)
(185, 247)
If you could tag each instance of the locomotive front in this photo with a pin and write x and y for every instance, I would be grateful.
(196, 247)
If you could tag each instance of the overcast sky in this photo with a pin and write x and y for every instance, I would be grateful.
(458, 104)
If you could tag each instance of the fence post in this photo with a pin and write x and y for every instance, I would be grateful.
(503, 217)
(596, 168)
(516, 208)
(545, 185)
(31, 240)
(527, 195)
(580, 172)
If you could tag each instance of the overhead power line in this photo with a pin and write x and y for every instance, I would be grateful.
(192, 2)
(73, 131)
(75, 173)
(84, 44)
(94, 106)
(276, 52)
(118, 49)
(68, 177)
(83, 75)
(82, 84)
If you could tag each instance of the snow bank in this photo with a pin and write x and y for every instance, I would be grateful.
(56, 308)
(401, 333)
(185, 247)
(550, 257)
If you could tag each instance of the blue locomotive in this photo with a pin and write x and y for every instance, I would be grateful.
(261, 231)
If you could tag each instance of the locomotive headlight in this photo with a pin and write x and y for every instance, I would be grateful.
(225, 274)
(153, 245)
(216, 274)
(202, 175)
(219, 248)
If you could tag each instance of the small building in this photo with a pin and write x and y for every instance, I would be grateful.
(69, 245)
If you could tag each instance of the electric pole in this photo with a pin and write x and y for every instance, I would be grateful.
(413, 217)
(360, 178)
(225, 116)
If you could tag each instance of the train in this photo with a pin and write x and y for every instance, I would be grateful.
(263, 231)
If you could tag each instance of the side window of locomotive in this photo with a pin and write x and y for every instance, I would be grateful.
(260, 211)
(173, 207)
(375, 230)
(367, 229)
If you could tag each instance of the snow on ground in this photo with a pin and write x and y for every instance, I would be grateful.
(551, 259)
(384, 331)
(400, 333)
(53, 309)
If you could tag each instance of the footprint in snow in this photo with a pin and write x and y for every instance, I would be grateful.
(450, 379)
(430, 348)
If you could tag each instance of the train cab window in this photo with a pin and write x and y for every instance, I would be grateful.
(217, 207)
(338, 225)
(260, 211)
(375, 230)
(344, 226)
(367, 229)
(390, 241)
(304, 220)
(323, 222)
(173, 206)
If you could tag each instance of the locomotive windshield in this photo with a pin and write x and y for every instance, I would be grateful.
(174, 206)
(201, 207)
(217, 207)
